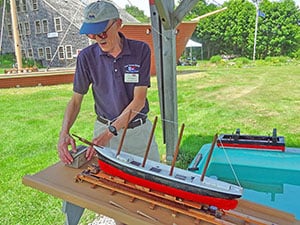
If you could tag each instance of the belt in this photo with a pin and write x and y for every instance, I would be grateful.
(131, 125)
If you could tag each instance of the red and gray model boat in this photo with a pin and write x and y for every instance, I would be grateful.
(167, 179)
(181, 184)
(257, 142)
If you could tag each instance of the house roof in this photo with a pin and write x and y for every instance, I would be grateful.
(72, 10)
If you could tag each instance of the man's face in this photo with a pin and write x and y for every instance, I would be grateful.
(107, 39)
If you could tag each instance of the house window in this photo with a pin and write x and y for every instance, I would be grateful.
(21, 31)
(30, 53)
(41, 53)
(45, 26)
(57, 24)
(69, 54)
(23, 6)
(48, 53)
(38, 27)
(18, 5)
(61, 53)
(27, 28)
(35, 5)
(9, 30)
(23, 53)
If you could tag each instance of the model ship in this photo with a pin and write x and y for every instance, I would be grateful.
(182, 183)
(167, 179)
(258, 142)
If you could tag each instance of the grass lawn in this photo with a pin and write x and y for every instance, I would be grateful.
(210, 100)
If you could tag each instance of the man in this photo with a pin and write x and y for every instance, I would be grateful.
(118, 71)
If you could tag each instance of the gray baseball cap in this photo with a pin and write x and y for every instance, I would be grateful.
(96, 17)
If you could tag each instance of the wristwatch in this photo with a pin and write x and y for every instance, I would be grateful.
(112, 129)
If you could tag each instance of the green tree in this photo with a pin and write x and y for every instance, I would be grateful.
(200, 8)
(137, 13)
(279, 31)
(232, 31)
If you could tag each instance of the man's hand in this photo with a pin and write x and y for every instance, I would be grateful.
(64, 141)
(103, 139)
(90, 153)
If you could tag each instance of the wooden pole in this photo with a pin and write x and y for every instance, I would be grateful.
(123, 135)
(149, 142)
(209, 156)
(209, 14)
(176, 151)
(86, 141)
(164, 21)
(16, 36)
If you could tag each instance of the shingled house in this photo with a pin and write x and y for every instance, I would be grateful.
(49, 30)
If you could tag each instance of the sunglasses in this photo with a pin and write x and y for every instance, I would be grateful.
(102, 35)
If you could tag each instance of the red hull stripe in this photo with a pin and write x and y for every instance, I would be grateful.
(251, 146)
(218, 202)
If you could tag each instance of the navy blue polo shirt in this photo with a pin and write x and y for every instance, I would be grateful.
(113, 79)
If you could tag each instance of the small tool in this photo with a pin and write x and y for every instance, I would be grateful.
(79, 158)
(86, 141)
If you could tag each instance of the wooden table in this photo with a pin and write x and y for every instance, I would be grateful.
(59, 180)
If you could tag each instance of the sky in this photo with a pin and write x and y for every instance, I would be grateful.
(144, 4)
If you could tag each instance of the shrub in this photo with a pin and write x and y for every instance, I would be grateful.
(277, 59)
(215, 59)
(242, 61)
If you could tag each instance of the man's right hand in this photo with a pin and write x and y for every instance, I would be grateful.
(63, 152)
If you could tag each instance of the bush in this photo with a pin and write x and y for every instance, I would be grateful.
(242, 61)
(277, 59)
(296, 55)
(8, 60)
(215, 59)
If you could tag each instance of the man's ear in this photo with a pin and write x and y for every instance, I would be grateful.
(119, 23)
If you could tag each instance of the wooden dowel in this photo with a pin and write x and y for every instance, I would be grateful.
(176, 151)
(149, 142)
(123, 135)
(209, 156)
(86, 141)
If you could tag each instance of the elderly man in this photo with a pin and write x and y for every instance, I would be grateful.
(118, 71)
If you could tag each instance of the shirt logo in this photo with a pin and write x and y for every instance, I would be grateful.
(132, 68)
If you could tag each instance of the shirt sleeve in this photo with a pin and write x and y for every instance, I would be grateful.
(82, 79)
(145, 66)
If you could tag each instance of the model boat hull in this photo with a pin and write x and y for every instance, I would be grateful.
(257, 142)
(183, 184)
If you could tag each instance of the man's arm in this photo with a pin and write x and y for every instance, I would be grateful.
(135, 106)
(65, 139)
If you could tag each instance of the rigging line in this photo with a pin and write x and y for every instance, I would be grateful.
(62, 15)
(139, 113)
(165, 120)
(63, 38)
(129, 2)
(2, 24)
(230, 164)
(159, 33)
